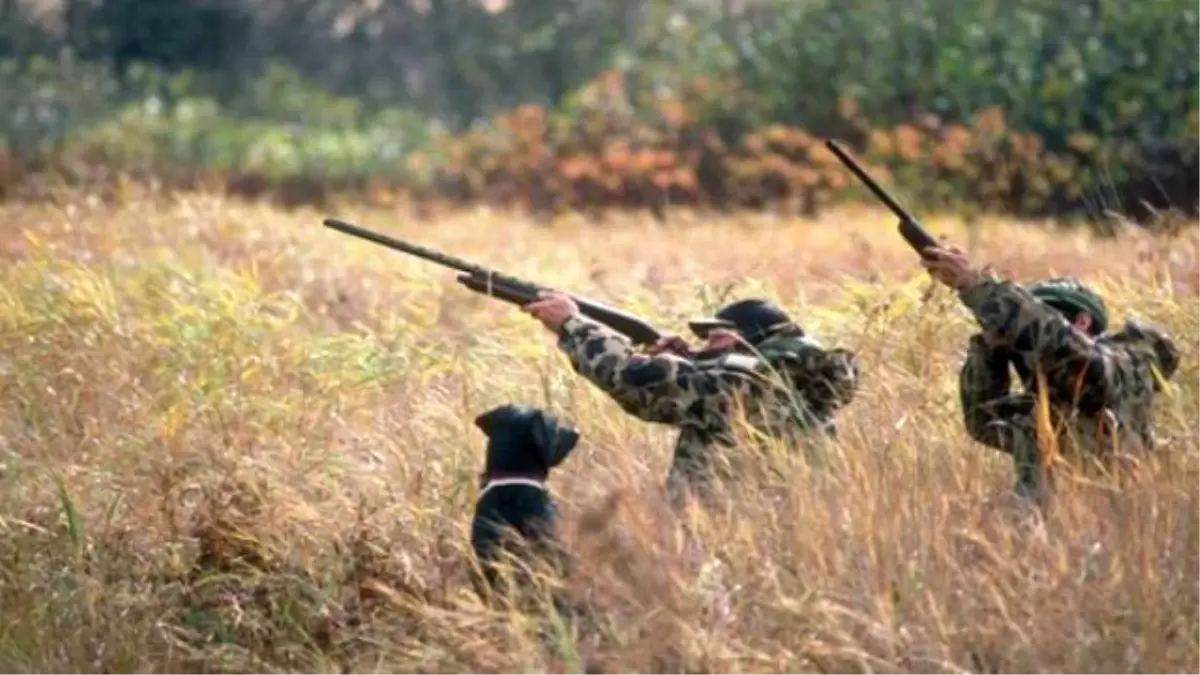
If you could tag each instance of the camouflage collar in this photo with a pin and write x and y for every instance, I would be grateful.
(737, 361)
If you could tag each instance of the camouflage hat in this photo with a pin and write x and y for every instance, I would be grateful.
(754, 319)
(1070, 297)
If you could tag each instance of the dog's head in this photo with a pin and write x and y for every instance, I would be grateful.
(523, 439)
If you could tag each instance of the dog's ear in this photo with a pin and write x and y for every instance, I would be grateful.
(553, 439)
(491, 420)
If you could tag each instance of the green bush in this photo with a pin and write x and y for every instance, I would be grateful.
(1121, 73)
(1104, 67)
(195, 134)
(76, 113)
(45, 100)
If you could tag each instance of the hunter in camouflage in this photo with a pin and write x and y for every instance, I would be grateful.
(1099, 385)
(756, 362)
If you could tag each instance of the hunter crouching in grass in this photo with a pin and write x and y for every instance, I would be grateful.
(1100, 385)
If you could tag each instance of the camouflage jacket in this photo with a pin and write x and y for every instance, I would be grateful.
(1099, 390)
(703, 398)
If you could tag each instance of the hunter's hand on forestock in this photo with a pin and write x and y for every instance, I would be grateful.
(670, 344)
(552, 309)
(949, 265)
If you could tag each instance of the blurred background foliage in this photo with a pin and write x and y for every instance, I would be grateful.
(1033, 107)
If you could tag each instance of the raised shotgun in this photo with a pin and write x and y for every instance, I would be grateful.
(489, 282)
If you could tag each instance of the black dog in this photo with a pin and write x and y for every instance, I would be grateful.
(524, 444)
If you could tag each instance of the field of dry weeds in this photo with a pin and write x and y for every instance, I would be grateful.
(189, 383)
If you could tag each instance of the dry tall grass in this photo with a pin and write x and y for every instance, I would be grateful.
(187, 382)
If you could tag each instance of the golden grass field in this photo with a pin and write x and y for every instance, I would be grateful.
(186, 380)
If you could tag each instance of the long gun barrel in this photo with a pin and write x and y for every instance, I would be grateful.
(405, 247)
(914, 233)
(509, 289)
(910, 228)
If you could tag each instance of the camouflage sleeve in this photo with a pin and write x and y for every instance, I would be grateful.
(1075, 367)
(661, 388)
(990, 412)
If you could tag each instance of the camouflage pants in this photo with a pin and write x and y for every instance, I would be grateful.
(697, 476)
(1034, 478)
(706, 477)
(703, 474)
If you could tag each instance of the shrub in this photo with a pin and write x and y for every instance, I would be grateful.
(674, 150)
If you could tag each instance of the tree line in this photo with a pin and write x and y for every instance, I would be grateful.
(1107, 89)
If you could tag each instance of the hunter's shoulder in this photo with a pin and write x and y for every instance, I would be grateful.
(805, 353)
(1140, 341)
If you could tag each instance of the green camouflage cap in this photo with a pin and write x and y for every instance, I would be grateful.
(1070, 296)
